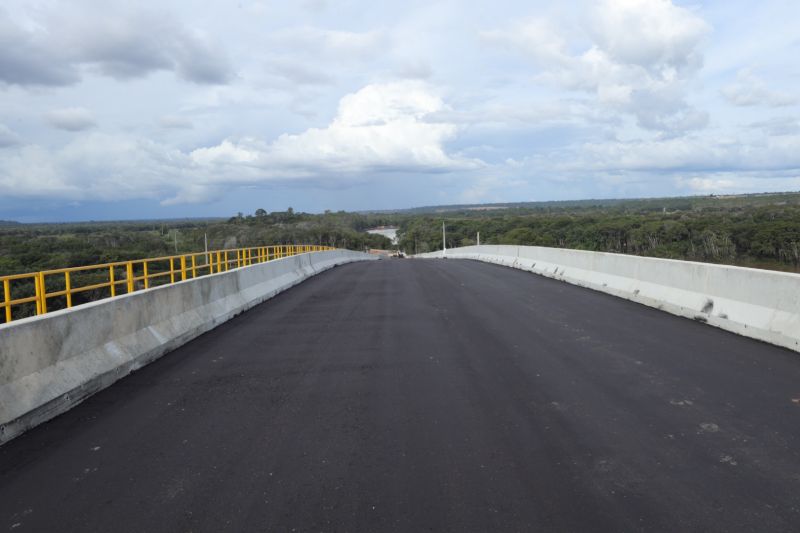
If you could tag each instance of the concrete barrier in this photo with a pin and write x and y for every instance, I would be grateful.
(761, 304)
(51, 362)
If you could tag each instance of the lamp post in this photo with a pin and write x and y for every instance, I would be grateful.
(444, 241)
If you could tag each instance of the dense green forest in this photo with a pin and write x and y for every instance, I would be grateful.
(37, 247)
(34, 247)
(752, 230)
(760, 231)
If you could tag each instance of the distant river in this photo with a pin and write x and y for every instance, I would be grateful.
(386, 232)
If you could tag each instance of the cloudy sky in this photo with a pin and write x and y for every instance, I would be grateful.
(119, 109)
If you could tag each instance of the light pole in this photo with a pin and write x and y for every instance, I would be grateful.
(444, 241)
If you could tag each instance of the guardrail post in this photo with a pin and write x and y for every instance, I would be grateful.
(111, 280)
(68, 288)
(129, 275)
(7, 296)
(38, 294)
(44, 292)
(189, 267)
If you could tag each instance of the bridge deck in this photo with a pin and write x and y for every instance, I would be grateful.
(428, 395)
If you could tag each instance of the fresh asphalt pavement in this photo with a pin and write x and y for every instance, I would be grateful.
(428, 395)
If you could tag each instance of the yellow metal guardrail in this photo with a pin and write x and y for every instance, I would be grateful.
(125, 277)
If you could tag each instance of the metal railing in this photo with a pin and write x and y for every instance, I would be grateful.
(67, 287)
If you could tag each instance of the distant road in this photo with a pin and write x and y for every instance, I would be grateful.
(411, 395)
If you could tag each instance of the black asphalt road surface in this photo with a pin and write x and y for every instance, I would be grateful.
(428, 395)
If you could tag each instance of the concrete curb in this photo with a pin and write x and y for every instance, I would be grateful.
(52, 362)
(760, 304)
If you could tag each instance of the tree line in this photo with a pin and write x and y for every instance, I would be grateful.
(760, 231)
(763, 237)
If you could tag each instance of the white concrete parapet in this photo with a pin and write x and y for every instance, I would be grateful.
(51, 362)
(761, 304)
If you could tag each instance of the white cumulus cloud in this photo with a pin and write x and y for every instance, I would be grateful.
(654, 34)
(378, 129)
(117, 41)
(641, 53)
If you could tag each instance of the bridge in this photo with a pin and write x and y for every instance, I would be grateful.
(416, 395)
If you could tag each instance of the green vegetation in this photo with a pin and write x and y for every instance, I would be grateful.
(31, 248)
(760, 231)
(35, 247)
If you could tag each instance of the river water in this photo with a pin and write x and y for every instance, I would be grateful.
(391, 233)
